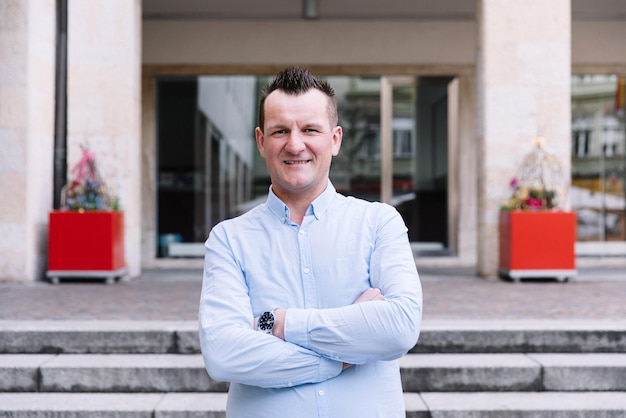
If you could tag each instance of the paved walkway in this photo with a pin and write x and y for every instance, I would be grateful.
(449, 294)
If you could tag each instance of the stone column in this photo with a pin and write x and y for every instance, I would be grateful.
(104, 111)
(27, 42)
(523, 90)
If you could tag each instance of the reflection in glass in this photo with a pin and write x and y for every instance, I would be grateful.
(205, 157)
(598, 157)
(209, 169)
(356, 170)
(420, 161)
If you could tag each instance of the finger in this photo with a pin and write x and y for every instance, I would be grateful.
(377, 294)
(369, 295)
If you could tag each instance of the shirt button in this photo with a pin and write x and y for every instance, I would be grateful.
(302, 232)
(290, 384)
(321, 392)
(306, 270)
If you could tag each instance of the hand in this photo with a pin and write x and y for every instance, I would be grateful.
(370, 295)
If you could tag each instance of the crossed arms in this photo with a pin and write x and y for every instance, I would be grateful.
(310, 344)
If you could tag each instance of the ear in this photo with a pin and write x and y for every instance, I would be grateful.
(336, 139)
(260, 141)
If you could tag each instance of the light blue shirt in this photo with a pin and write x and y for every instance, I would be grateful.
(262, 260)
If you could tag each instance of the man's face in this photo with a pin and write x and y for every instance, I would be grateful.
(298, 143)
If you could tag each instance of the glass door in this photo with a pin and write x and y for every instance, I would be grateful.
(598, 187)
(430, 159)
(417, 153)
(356, 170)
(395, 150)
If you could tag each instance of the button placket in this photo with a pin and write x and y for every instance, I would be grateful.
(310, 293)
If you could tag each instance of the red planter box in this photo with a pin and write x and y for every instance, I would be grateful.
(537, 244)
(86, 244)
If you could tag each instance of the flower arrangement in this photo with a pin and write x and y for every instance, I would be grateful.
(87, 191)
(538, 183)
(526, 198)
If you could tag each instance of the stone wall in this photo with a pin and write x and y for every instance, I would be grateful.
(27, 41)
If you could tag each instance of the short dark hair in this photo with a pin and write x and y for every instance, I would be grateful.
(296, 81)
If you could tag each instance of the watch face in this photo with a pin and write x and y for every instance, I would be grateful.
(266, 321)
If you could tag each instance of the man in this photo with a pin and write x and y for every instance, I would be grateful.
(309, 299)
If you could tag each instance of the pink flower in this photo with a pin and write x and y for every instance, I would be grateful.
(533, 203)
(513, 182)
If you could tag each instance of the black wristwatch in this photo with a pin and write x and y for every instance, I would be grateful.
(266, 322)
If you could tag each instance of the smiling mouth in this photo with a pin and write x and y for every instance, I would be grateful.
(297, 162)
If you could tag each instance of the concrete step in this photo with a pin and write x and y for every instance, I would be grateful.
(106, 373)
(420, 373)
(522, 336)
(51, 336)
(513, 372)
(418, 405)
(525, 404)
(181, 337)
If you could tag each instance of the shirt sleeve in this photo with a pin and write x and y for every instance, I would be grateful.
(378, 330)
(232, 350)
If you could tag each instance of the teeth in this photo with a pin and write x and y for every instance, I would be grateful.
(296, 162)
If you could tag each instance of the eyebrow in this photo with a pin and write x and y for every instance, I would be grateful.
(308, 125)
(276, 126)
(314, 125)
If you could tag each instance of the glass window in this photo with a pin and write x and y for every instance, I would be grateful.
(208, 165)
(598, 157)
(209, 168)
(355, 170)
(205, 156)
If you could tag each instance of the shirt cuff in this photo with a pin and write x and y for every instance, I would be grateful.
(329, 369)
(296, 329)
(296, 326)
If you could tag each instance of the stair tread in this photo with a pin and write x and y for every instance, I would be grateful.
(411, 360)
(514, 360)
(424, 401)
(99, 325)
(420, 372)
(524, 401)
(166, 336)
(93, 326)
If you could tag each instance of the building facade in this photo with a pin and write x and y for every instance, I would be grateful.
(439, 102)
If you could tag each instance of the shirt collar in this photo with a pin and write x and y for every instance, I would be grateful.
(318, 206)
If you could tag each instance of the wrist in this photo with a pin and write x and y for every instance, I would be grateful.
(279, 323)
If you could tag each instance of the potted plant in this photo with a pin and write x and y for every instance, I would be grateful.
(86, 236)
(536, 237)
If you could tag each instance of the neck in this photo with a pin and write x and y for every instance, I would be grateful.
(297, 211)
(298, 203)
(297, 207)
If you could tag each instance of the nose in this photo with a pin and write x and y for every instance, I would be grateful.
(295, 143)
